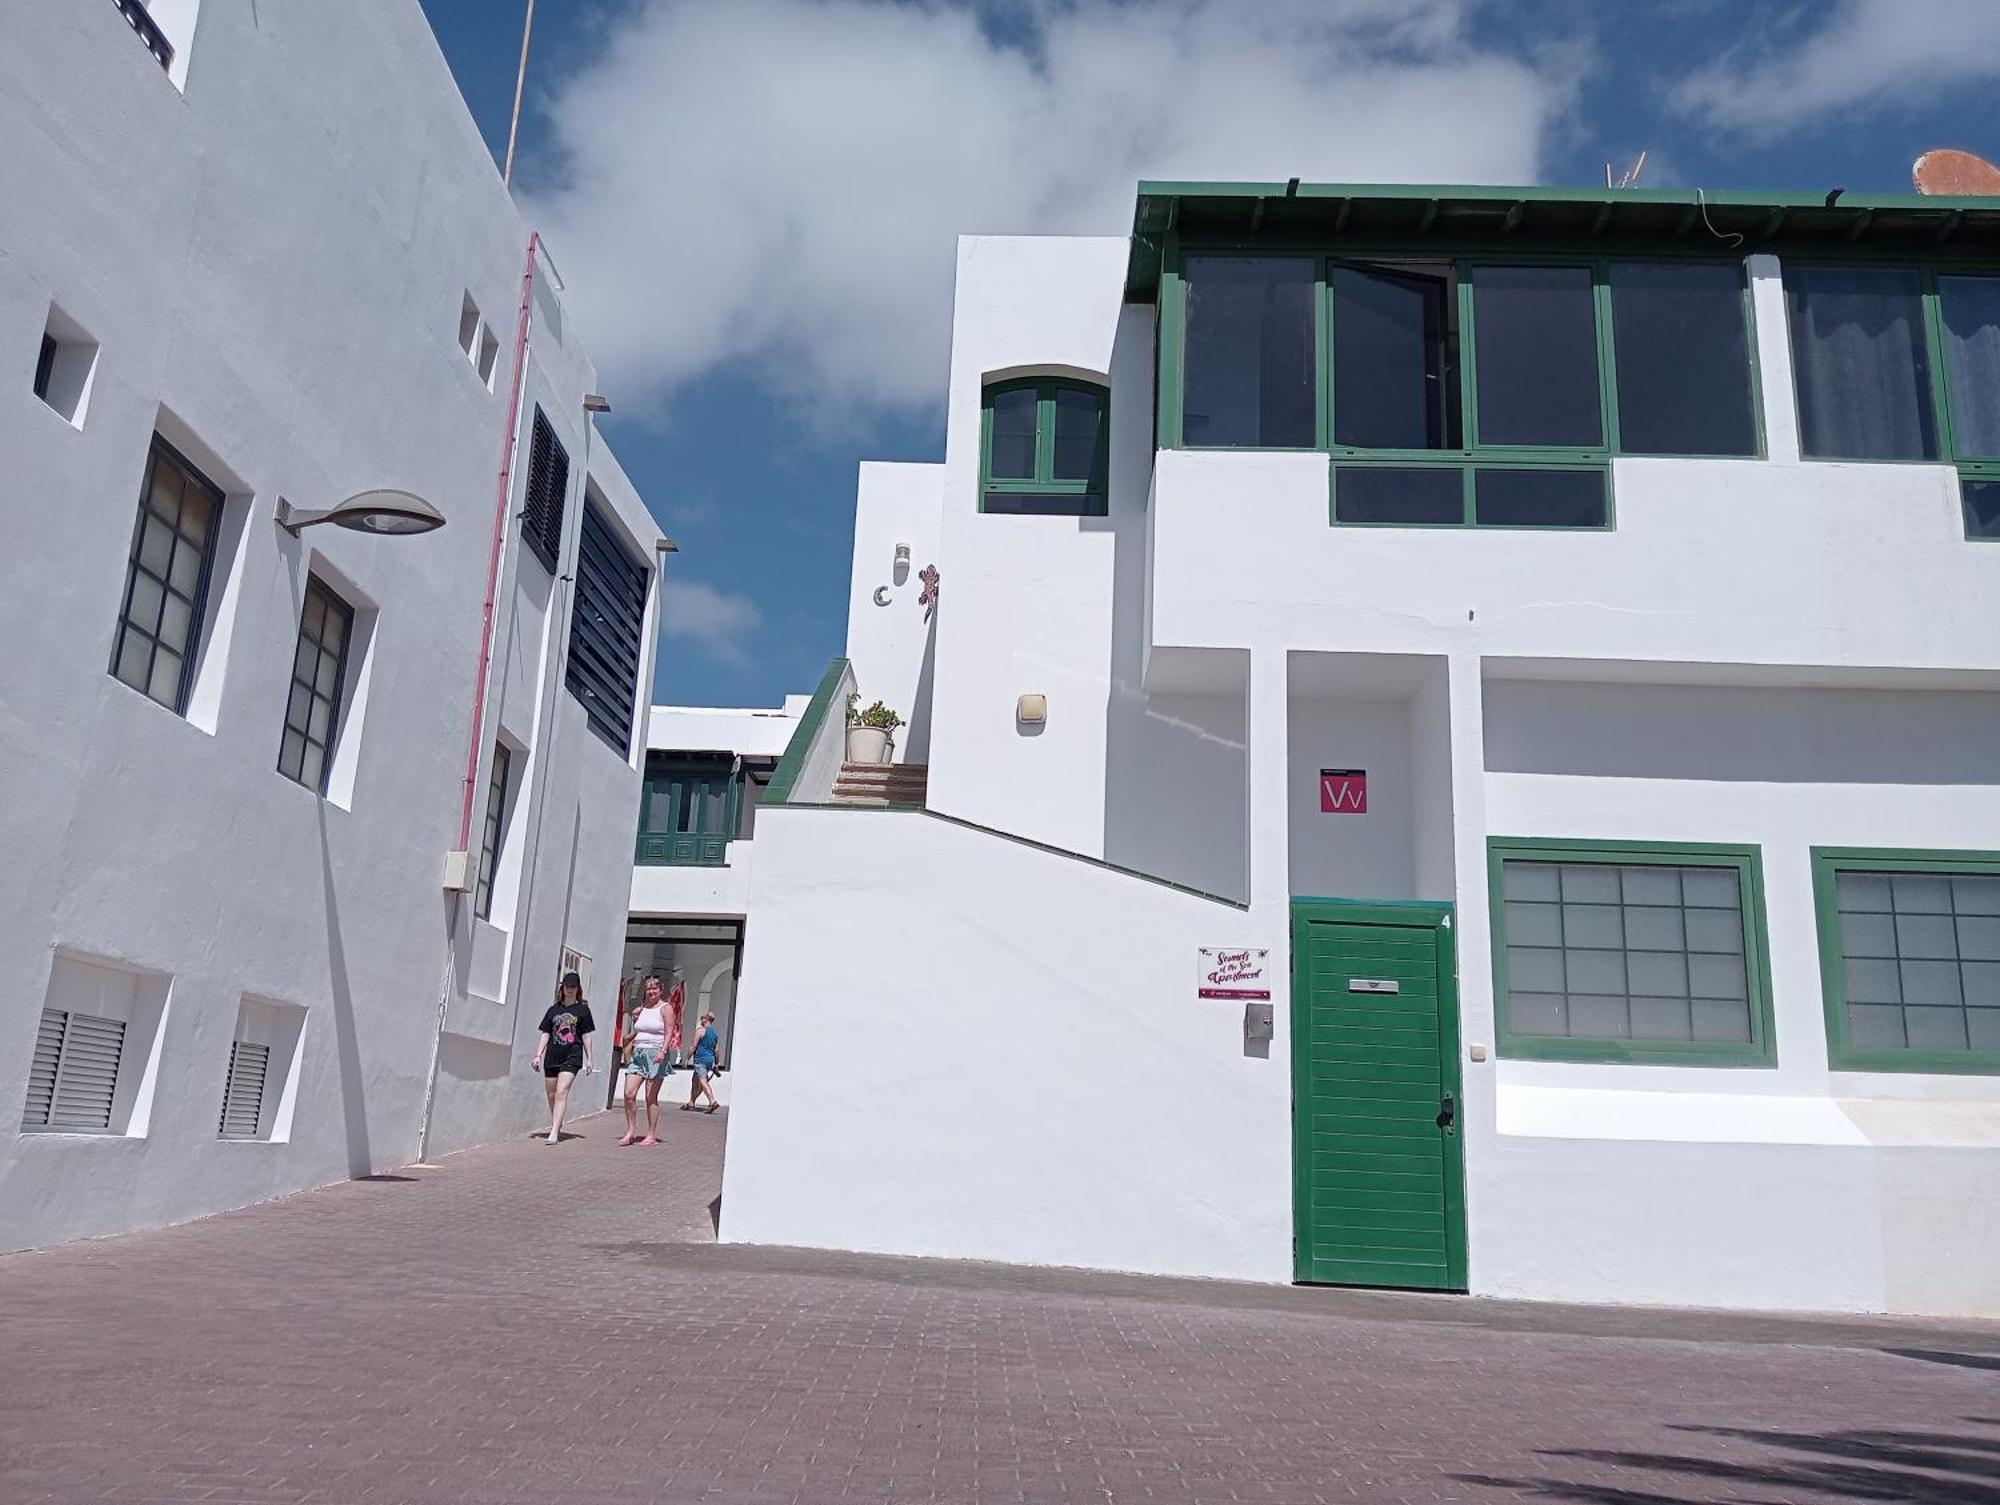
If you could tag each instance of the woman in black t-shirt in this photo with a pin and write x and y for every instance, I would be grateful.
(564, 1048)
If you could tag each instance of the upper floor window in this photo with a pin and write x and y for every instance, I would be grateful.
(547, 492)
(607, 632)
(1456, 390)
(689, 811)
(1901, 363)
(319, 668)
(166, 581)
(1044, 448)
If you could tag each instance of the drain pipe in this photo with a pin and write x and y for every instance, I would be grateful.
(475, 738)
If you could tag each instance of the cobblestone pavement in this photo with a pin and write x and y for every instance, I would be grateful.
(534, 1324)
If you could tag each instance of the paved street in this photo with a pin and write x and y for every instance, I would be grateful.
(535, 1324)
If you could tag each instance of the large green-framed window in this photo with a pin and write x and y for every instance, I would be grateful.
(1901, 362)
(1909, 948)
(1630, 952)
(1044, 447)
(1459, 389)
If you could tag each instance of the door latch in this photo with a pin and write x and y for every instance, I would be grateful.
(1447, 1111)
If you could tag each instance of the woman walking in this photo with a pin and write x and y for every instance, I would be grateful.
(563, 1048)
(650, 1063)
(702, 1067)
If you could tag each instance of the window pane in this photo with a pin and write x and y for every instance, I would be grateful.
(1046, 504)
(1633, 959)
(1539, 498)
(1248, 375)
(1014, 433)
(1386, 494)
(1395, 367)
(1858, 357)
(1982, 508)
(1969, 310)
(1683, 359)
(1535, 334)
(166, 681)
(1079, 417)
(1919, 978)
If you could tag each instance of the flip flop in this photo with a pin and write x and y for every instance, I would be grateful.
(628, 1139)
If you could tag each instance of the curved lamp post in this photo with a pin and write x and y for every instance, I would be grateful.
(367, 512)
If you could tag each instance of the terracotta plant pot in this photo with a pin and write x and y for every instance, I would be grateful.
(869, 744)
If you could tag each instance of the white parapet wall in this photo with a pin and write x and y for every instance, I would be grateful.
(953, 1043)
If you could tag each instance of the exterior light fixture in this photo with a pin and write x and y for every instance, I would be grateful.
(1032, 710)
(367, 512)
(592, 403)
(902, 556)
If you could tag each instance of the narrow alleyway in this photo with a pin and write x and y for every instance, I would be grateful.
(535, 1324)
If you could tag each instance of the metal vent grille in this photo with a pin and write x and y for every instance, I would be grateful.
(42, 1074)
(243, 1097)
(74, 1080)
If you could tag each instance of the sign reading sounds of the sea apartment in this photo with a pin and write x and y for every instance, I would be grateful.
(1240, 974)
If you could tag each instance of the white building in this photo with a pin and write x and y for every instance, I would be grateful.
(291, 870)
(1549, 636)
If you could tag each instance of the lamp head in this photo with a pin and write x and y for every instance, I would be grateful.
(390, 512)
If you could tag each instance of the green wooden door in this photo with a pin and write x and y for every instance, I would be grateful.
(1379, 1179)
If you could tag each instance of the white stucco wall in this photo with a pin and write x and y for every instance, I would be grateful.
(275, 281)
(891, 635)
(1030, 1059)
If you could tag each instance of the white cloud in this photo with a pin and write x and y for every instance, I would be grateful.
(778, 183)
(718, 620)
(1864, 54)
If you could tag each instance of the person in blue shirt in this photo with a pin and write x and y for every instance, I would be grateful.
(702, 1066)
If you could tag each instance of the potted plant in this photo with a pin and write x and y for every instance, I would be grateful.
(871, 733)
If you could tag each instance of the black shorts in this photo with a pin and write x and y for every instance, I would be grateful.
(557, 1068)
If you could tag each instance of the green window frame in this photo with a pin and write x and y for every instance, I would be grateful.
(1759, 1050)
(1829, 866)
(1475, 458)
(1975, 470)
(1043, 492)
(688, 811)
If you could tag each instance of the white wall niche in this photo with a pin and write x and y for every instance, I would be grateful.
(269, 1034)
(97, 1049)
(487, 362)
(468, 328)
(65, 367)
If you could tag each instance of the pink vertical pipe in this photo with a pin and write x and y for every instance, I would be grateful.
(472, 747)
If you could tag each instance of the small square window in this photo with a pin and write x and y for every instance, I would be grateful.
(468, 328)
(489, 356)
(497, 786)
(65, 364)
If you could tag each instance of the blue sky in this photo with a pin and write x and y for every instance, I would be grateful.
(754, 202)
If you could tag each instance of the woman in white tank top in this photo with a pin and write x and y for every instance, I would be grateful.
(651, 1024)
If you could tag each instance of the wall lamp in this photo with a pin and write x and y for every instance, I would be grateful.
(592, 403)
(367, 512)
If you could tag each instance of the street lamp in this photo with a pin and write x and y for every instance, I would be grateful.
(367, 512)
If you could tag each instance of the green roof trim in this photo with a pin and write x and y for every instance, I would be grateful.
(1680, 221)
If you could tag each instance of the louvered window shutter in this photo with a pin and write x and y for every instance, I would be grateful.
(548, 485)
(607, 629)
(243, 1096)
(87, 1074)
(42, 1073)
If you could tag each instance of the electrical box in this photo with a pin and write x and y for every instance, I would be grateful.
(1256, 1023)
(458, 872)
